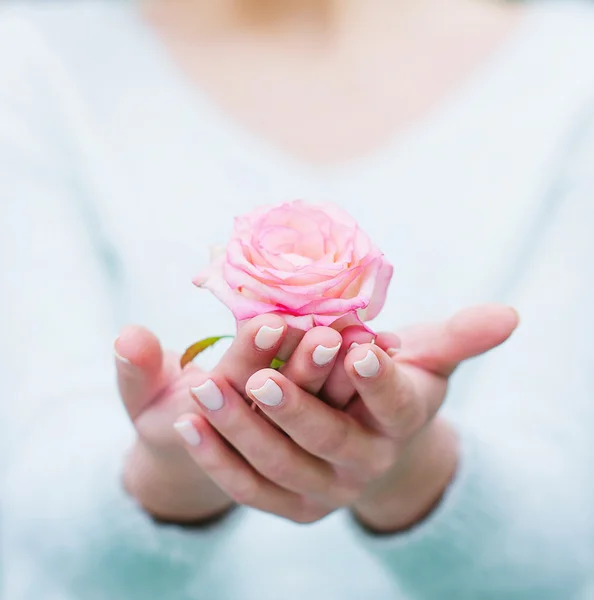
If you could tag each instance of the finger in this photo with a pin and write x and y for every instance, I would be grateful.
(313, 359)
(255, 346)
(389, 342)
(386, 391)
(141, 371)
(171, 401)
(338, 388)
(232, 474)
(267, 449)
(318, 428)
(290, 343)
(440, 347)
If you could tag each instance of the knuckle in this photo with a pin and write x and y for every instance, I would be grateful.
(333, 439)
(391, 413)
(295, 410)
(407, 422)
(382, 461)
(276, 468)
(403, 400)
(298, 372)
(346, 495)
(251, 446)
(233, 422)
(244, 491)
(404, 415)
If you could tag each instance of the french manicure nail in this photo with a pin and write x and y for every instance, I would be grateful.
(323, 355)
(209, 395)
(269, 394)
(188, 432)
(369, 366)
(267, 337)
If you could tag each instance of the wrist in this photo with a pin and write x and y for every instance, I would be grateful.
(170, 487)
(415, 487)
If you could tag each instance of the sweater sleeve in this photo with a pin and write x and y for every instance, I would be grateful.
(63, 432)
(517, 521)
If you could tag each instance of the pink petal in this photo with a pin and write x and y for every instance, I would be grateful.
(380, 290)
(303, 322)
(335, 306)
(324, 288)
(239, 255)
(276, 240)
(241, 306)
(351, 279)
(269, 294)
(349, 320)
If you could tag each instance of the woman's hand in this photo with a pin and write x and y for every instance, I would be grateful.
(158, 471)
(385, 455)
(391, 476)
(428, 446)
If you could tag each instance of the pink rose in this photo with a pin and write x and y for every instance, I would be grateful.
(312, 264)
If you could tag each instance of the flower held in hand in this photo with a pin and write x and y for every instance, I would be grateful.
(311, 264)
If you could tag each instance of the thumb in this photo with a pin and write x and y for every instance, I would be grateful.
(440, 347)
(139, 365)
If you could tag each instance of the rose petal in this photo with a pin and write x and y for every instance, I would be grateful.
(314, 265)
(297, 260)
(378, 295)
(241, 306)
(239, 279)
(340, 323)
(323, 288)
(303, 322)
(276, 239)
(335, 306)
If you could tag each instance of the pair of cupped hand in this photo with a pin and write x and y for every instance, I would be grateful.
(348, 421)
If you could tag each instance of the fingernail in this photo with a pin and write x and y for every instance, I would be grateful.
(188, 432)
(353, 345)
(369, 366)
(119, 357)
(209, 395)
(322, 355)
(269, 394)
(392, 351)
(267, 337)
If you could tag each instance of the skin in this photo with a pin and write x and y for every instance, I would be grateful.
(385, 454)
(324, 82)
(330, 81)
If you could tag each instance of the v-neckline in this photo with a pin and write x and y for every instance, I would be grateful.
(470, 100)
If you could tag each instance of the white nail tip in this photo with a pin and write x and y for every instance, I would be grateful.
(209, 395)
(369, 366)
(322, 355)
(188, 432)
(267, 337)
(269, 394)
(353, 345)
(121, 358)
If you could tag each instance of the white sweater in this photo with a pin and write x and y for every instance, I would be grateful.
(115, 178)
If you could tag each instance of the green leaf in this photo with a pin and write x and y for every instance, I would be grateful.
(195, 349)
(277, 363)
